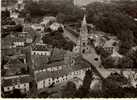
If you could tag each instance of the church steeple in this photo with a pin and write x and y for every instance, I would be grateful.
(84, 25)
(84, 30)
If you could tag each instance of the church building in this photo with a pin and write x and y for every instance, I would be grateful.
(82, 43)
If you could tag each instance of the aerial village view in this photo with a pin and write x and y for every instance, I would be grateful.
(69, 48)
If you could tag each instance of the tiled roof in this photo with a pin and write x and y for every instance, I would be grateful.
(15, 80)
(110, 43)
(57, 54)
(14, 38)
(56, 63)
(19, 39)
(42, 62)
(54, 74)
(39, 48)
(5, 43)
(16, 66)
(39, 60)
(65, 71)
(14, 60)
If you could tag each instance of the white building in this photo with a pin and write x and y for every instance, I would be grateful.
(38, 27)
(55, 26)
(19, 42)
(47, 78)
(16, 82)
(40, 50)
(47, 21)
(14, 14)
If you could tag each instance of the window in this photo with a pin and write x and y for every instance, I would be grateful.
(53, 79)
(44, 83)
(25, 89)
(84, 44)
(114, 44)
(83, 51)
(8, 88)
(79, 71)
(87, 48)
(13, 87)
(96, 59)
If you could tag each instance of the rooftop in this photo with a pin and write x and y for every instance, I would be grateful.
(57, 54)
(65, 70)
(40, 48)
(11, 81)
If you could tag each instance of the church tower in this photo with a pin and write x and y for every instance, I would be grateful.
(84, 48)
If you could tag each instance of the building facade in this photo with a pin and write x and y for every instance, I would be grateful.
(16, 82)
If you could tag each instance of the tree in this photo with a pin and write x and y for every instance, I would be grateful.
(56, 39)
(114, 87)
(17, 94)
(61, 17)
(111, 19)
(84, 89)
(69, 90)
(5, 14)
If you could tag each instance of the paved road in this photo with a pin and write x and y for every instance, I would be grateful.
(90, 58)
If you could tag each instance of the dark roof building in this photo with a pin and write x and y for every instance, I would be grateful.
(14, 80)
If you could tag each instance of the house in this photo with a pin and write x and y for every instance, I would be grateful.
(59, 74)
(86, 2)
(16, 82)
(110, 45)
(57, 54)
(41, 49)
(132, 76)
(27, 36)
(14, 14)
(60, 67)
(19, 21)
(56, 58)
(39, 61)
(19, 42)
(47, 21)
(15, 65)
(19, 5)
(55, 26)
(7, 3)
(37, 27)
(97, 39)
(6, 42)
